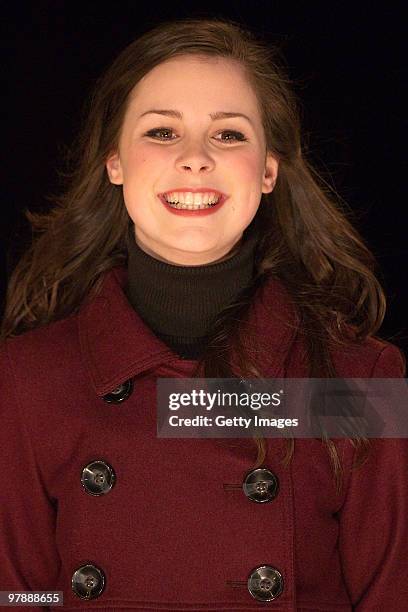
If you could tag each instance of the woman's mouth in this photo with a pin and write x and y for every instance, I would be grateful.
(189, 203)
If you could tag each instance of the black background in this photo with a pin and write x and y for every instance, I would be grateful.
(348, 63)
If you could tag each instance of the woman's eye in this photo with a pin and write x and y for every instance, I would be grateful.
(236, 136)
(152, 133)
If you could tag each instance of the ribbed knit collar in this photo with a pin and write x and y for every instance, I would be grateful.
(179, 303)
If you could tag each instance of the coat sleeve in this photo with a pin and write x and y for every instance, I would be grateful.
(29, 560)
(373, 521)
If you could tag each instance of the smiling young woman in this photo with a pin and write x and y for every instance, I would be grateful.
(187, 149)
(193, 239)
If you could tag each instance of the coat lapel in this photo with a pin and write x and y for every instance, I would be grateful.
(117, 345)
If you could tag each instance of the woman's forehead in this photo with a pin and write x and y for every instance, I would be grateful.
(200, 79)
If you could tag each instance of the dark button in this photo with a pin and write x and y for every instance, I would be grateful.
(265, 583)
(261, 485)
(98, 477)
(119, 394)
(88, 581)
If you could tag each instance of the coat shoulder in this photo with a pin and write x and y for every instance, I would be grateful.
(371, 358)
(48, 348)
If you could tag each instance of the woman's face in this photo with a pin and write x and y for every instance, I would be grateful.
(189, 145)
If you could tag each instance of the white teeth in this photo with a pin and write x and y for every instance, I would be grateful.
(192, 201)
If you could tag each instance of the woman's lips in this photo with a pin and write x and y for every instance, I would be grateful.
(184, 212)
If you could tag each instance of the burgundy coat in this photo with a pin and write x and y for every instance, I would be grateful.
(169, 535)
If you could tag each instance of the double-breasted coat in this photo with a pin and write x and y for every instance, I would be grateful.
(94, 504)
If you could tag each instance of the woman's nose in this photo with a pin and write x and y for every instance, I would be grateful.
(195, 158)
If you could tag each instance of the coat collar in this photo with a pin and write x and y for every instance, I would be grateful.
(117, 345)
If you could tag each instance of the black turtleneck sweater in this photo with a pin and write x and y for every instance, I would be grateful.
(179, 303)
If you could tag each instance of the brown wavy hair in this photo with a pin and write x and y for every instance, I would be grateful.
(307, 239)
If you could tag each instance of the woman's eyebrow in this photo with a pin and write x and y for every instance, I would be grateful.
(214, 116)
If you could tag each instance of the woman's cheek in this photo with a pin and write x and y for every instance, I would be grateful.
(249, 165)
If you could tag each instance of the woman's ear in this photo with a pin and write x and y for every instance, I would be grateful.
(114, 169)
(270, 174)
